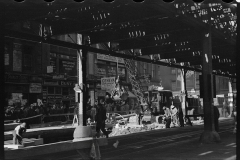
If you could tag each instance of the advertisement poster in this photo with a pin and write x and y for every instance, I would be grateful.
(108, 84)
(111, 71)
(35, 88)
(68, 67)
(101, 71)
(17, 57)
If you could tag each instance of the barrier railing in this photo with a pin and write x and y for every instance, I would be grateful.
(65, 115)
(22, 119)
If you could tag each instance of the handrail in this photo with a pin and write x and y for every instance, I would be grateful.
(7, 121)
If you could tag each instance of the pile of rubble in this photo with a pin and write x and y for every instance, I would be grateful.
(126, 129)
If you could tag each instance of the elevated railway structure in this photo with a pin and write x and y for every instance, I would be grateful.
(182, 34)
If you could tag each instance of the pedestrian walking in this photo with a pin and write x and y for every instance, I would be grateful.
(100, 119)
(18, 133)
(180, 116)
(75, 116)
(174, 115)
(216, 117)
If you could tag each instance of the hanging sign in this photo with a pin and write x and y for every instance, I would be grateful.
(108, 83)
(35, 88)
(109, 58)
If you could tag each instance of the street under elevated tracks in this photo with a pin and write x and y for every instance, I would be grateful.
(174, 143)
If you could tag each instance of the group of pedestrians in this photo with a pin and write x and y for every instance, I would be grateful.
(97, 114)
(173, 115)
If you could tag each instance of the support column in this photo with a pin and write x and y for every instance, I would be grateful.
(82, 130)
(185, 91)
(230, 97)
(183, 95)
(209, 135)
(2, 72)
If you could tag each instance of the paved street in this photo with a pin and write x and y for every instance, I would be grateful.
(174, 143)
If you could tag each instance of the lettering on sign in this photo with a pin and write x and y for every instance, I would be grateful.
(35, 88)
(109, 58)
(67, 67)
(58, 77)
(66, 83)
(54, 83)
(108, 84)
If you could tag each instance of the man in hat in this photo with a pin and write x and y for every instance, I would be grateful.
(100, 119)
(18, 133)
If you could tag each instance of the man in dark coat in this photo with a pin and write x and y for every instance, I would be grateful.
(216, 116)
(100, 119)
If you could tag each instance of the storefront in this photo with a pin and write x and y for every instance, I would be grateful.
(58, 92)
(22, 89)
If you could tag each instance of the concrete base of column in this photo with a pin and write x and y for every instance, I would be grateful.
(210, 137)
(82, 132)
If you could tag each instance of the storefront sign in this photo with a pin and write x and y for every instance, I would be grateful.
(108, 83)
(59, 77)
(67, 83)
(16, 78)
(36, 79)
(109, 58)
(17, 57)
(47, 82)
(35, 88)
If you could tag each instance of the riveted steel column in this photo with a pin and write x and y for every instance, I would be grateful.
(2, 72)
(209, 135)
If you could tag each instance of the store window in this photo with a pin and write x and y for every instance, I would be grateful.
(50, 90)
(58, 90)
(71, 91)
(65, 91)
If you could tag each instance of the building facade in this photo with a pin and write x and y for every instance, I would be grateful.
(42, 71)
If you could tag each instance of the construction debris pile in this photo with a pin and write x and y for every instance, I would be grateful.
(127, 129)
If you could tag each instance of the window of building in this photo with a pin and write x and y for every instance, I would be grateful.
(65, 91)
(58, 90)
(50, 90)
(71, 91)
